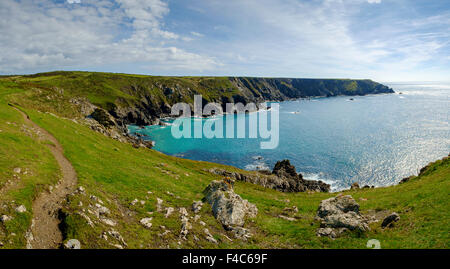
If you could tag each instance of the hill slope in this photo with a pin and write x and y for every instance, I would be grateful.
(118, 177)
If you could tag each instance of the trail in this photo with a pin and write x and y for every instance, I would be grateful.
(45, 231)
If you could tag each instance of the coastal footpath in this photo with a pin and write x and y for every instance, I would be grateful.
(129, 196)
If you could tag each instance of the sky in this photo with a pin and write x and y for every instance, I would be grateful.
(383, 40)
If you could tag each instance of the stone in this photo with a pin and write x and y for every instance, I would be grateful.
(227, 206)
(21, 209)
(169, 212)
(5, 218)
(286, 218)
(109, 222)
(146, 222)
(17, 170)
(339, 212)
(159, 206)
(72, 244)
(390, 220)
(197, 206)
(135, 201)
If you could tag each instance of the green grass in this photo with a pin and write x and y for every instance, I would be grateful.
(117, 174)
(20, 148)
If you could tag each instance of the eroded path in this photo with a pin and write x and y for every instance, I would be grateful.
(45, 232)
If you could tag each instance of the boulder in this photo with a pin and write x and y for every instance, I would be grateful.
(389, 220)
(341, 212)
(72, 244)
(227, 206)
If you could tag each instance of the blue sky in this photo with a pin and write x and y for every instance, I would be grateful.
(385, 40)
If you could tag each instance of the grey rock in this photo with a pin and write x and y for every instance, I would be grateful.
(197, 206)
(146, 222)
(340, 212)
(21, 209)
(227, 206)
(5, 218)
(72, 244)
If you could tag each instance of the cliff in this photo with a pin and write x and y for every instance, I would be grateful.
(142, 99)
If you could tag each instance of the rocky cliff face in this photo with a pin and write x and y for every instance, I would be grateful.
(142, 100)
(237, 89)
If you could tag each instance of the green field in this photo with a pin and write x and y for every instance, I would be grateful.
(116, 173)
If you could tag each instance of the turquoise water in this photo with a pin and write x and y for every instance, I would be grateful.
(375, 139)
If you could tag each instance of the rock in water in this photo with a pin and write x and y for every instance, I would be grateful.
(227, 206)
(389, 220)
(72, 244)
(284, 169)
(340, 212)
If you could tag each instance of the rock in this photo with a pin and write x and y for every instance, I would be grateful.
(135, 201)
(169, 212)
(21, 209)
(341, 212)
(183, 211)
(241, 233)
(109, 222)
(354, 186)
(102, 210)
(146, 222)
(116, 235)
(5, 218)
(17, 170)
(81, 189)
(159, 206)
(88, 220)
(326, 232)
(72, 244)
(197, 206)
(286, 218)
(209, 237)
(283, 178)
(284, 169)
(406, 179)
(228, 207)
(389, 220)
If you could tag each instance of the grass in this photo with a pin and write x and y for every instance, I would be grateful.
(20, 148)
(117, 173)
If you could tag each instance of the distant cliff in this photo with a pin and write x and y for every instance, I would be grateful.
(138, 99)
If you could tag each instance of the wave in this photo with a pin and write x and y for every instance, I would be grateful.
(335, 186)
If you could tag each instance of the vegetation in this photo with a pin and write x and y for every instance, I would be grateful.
(116, 173)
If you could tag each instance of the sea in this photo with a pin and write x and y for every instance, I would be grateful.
(373, 140)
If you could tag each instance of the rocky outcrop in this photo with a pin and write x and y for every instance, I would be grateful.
(283, 178)
(228, 207)
(390, 220)
(339, 214)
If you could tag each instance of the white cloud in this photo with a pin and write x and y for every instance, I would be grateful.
(374, 1)
(44, 35)
(197, 34)
(74, 1)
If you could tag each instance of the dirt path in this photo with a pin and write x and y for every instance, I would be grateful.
(45, 232)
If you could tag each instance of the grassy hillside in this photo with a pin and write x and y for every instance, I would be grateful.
(116, 173)
(141, 99)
